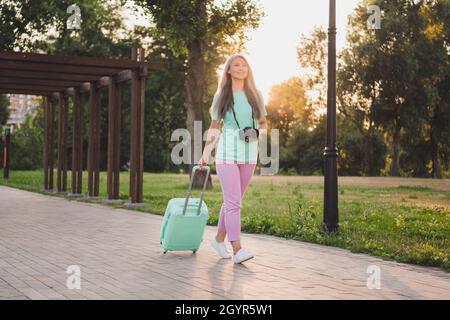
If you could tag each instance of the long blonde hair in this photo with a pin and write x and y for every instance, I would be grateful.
(225, 92)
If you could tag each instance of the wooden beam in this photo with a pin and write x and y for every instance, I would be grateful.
(44, 89)
(42, 75)
(122, 76)
(68, 60)
(40, 82)
(54, 68)
(28, 92)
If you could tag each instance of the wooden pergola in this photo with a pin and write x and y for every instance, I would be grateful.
(58, 78)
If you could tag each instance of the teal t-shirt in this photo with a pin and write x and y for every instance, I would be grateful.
(230, 147)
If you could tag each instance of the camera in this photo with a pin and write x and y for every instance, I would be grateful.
(249, 134)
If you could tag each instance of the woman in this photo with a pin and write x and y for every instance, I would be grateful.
(240, 105)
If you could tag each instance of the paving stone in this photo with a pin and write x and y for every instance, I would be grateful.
(119, 257)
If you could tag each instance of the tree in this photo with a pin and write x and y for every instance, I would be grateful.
(357, 92)
(22, 22)
(304, 149)
(395, 78)
(288, 106)
(311, 56)
(164, 96)
(103, 34)
(353, 151)
(27, 142)
(4, 109)
(196, 31)
(433, 48)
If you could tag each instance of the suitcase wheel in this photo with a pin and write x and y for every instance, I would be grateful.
(194, 251)
(165, 251)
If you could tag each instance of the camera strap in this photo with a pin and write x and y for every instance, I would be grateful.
(234, 115)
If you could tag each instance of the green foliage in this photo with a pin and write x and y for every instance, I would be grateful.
(27, 144)
(4, 111)
(312, 58)
(397, 80)
(304, 149)
(217, 25)
(166, 112)
(357, 150)
(288, 107)
(33, 25)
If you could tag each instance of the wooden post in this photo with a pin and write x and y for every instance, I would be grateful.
(64, 144)
(114, 120)
(76, 182)
(133, 134)
(140, 174)
(117, 125)
(97, 145)
(60, 147)
(51, 143)
(137, 128)
(80, 143)
(111, 144)
(6, 152)
(74, 145)
(45, 151)
(91, 137)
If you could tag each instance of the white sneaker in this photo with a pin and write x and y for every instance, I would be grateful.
(242, 255)
(221, 249)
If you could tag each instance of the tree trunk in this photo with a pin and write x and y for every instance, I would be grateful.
(435, 154)
(395, 168)
(367, 154)
(194, 88)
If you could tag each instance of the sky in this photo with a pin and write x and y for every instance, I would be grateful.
(271, 49)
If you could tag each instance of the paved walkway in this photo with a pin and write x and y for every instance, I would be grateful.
(119, 256)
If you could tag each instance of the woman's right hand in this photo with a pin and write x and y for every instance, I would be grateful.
(202, 162)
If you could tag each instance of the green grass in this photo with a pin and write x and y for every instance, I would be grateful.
(406, 224)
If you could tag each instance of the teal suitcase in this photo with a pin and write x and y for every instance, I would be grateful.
(185, 220)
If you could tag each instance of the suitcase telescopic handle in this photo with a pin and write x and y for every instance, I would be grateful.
(194, 169)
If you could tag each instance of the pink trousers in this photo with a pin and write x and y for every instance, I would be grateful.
(234, 179)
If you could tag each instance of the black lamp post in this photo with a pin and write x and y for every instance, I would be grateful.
(331, 214)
